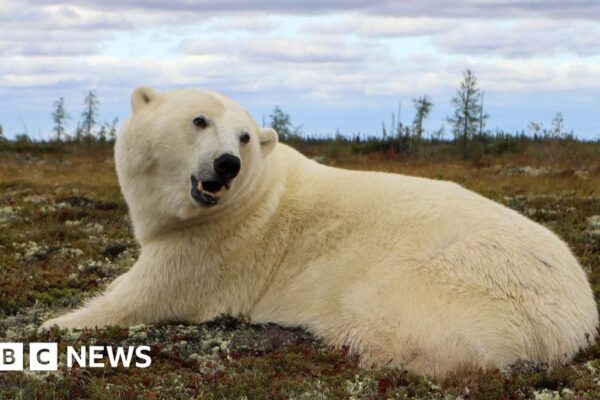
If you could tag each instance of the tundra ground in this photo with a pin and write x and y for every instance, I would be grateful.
(64, 235)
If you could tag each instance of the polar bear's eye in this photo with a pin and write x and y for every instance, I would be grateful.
(245, 138)
(201, 122)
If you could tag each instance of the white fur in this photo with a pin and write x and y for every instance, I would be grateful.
(406, 271)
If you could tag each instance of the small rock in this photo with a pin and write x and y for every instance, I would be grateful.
(581, 175)
(593, 221)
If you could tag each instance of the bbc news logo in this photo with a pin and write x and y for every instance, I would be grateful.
(44, 356)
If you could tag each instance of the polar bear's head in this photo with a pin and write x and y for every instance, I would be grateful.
(189, 153)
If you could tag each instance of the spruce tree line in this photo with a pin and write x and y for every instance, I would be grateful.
(88, 129)
(467, 124)
(468, 120)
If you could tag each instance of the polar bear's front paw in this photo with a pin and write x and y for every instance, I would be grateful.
(72, 320)
(61, 322)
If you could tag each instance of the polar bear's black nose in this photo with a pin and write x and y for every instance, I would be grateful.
(227, 166)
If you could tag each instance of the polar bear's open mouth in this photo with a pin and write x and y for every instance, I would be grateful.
(207, 192)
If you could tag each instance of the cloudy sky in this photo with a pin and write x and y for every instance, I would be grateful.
(332, 64)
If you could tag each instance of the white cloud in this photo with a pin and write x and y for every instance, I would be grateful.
(573, 9)
(315, 49)
(384, 26)
(242, 23)
(338, 53)
(524, 38)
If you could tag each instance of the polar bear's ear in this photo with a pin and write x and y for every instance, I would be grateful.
(141, 97)
(268, 139)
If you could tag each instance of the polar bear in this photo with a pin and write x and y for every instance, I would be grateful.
(405, 271)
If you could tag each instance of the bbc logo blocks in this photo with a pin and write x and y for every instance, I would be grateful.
(42, 356)
(11, 356)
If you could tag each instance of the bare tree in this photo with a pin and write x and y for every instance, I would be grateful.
(440, 133)
(282, 123)
(78, 134)
(536, 128)
(112, 131)
(482, 116)
(397, 129)
(89, 115)
(423, 106)
(468, 109)
(60, 117)
(558, 126)
(102, 132)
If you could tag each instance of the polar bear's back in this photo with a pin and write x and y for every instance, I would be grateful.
(506, 284)
(423, 214)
